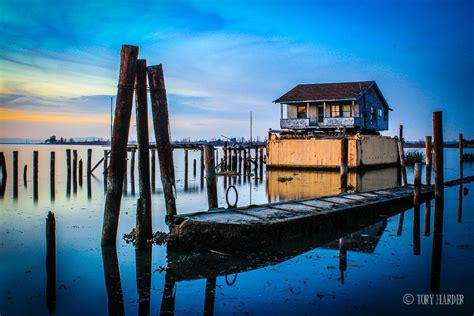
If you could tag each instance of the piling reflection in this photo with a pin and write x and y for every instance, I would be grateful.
(51, 262)
(437, 244)
(460, 203)
(416, 231)
(112, 281)
(169, 295)
(427, 221)
(300, 184)
(143, 274)
(210, 296)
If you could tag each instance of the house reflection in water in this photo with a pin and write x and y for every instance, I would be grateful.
(300, 184)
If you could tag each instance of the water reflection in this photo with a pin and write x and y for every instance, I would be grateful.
(113, 283)
(437, 245)
(300, 184)
(143, 274)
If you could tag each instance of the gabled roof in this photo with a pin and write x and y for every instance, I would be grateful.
(329, 91)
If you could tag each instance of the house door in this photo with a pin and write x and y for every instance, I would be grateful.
(321, 114)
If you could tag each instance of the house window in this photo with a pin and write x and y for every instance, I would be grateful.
(385, 114)
(379, 112)
(373, 114)
(301, 112)
(346, 111)
(335, 110)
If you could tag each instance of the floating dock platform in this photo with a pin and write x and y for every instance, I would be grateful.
(266, 225)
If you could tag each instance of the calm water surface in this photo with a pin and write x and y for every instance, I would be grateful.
(361, 270)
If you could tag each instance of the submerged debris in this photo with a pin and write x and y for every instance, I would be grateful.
(158, 238)
(285, 179)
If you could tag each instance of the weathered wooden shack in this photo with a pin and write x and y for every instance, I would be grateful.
(353, 105)
(320, 118)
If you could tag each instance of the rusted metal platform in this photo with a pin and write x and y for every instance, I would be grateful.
(269, 224)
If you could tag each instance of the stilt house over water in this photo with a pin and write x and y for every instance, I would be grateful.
(358, 106)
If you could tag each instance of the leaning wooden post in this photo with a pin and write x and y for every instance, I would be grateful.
(210, 166)
(35, 175)
(15, 174)
(428, 159)
(143, 219)
(438, 152)
(52, 175)
(159, 107)
(344, 162)
(461, 162)
(123, 110)
(417, 183)
(153, 169)
(51, 261)
(194, 167)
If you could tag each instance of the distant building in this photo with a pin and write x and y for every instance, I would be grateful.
(328, 106)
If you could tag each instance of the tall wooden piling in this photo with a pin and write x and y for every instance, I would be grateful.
(256, 161)
(159, 106)
(51, 261)
(438, 152)
(52, 175)
(143, 219)
(401, 156)
(153, 170)
(15, 174)
(417, 183)
(194, 167)
(35, 175)
(260, 156)
(344, 161)
(210, 167)
(461, 160)
(121, 124)
(428, 158)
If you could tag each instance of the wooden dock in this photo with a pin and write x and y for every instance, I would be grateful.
(256, 226)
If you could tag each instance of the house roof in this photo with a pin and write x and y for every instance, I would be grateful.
(328, 91)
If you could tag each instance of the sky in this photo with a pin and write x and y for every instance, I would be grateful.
(222, 59)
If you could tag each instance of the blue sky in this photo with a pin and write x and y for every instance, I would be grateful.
(59, 61)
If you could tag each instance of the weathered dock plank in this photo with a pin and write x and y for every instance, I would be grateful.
(246, 227)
